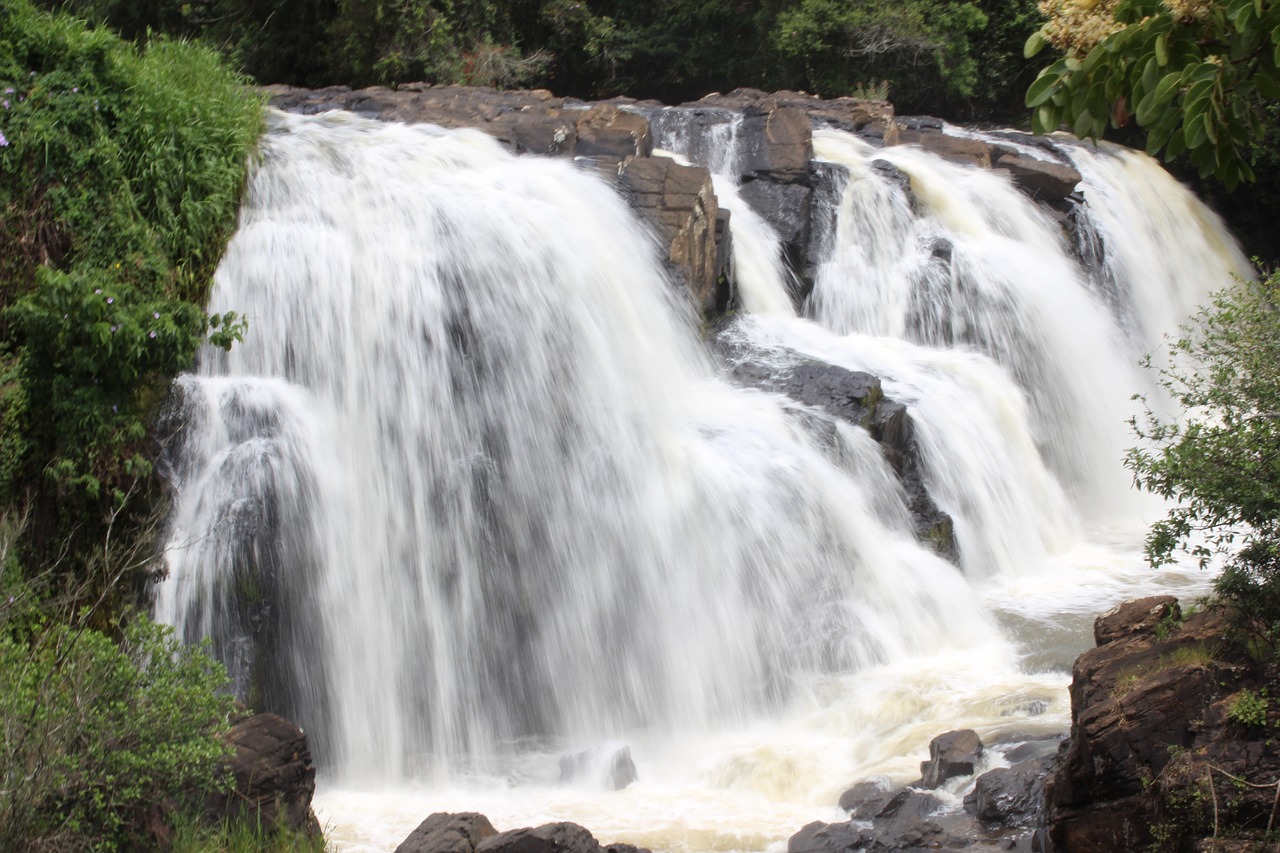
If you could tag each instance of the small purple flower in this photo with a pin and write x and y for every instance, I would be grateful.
(115, 408)
(97, 290)
(153, 334)
(113, 329)
(9, 91)
(75, 89)
(155, 314)
(110, 299)
(4, 142)
(6, 103)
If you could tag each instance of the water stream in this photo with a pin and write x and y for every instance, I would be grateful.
(472, 495)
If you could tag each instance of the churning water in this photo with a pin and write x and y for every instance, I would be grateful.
(472, 495)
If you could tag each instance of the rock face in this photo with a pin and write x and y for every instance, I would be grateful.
(1170, 736)
(680, 203)
(273, 776)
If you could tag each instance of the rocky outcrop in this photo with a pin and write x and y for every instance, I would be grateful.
(1171, 737)
(272, 775)
(680, 203)
(468, 832)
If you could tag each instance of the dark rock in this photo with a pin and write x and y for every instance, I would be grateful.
(272, 775)
(680, 203)
(448, 833)
(561, 837)
(819, 837)
(950, 755)
(1141, 616)
(1011, 796)
(610, 767)
(786, 207)
(777, 142)
(1041, 179)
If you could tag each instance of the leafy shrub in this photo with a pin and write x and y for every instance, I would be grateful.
(1249, 709)
(94, 731)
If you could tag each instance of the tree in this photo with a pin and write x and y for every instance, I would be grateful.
(1221, 461)
(1197, 75)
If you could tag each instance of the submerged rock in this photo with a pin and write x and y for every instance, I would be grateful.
(609, 767)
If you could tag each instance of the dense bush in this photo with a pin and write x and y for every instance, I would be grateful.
(121, 169)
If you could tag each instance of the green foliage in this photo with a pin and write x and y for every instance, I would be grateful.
(1249, 709)
(843, 44)
(121, 170)
(1220, 463)
(94, 731)
(1195, 74)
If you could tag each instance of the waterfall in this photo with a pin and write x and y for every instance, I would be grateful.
(473, 494)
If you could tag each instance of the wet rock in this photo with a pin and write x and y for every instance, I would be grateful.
(561, 837)
(950, 755)
(929, 133)
(786, 207)
(443, 832)
(272, 775)
(609, 767)
(1011, 796)
(1141, 616)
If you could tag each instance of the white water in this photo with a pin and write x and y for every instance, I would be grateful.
(474, 453)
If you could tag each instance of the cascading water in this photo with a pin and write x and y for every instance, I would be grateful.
(471, 494)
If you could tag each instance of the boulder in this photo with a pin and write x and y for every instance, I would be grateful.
(1141, 616)
(930, 134)
(443, 832)
(561, 837)
(950, 755)
(610, 767)
(272, 775)
(680, 204)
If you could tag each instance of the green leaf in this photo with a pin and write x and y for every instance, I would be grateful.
(1042, 88)
(1162, 49)
(1035, 43)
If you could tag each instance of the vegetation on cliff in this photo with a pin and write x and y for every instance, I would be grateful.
(121, 170)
